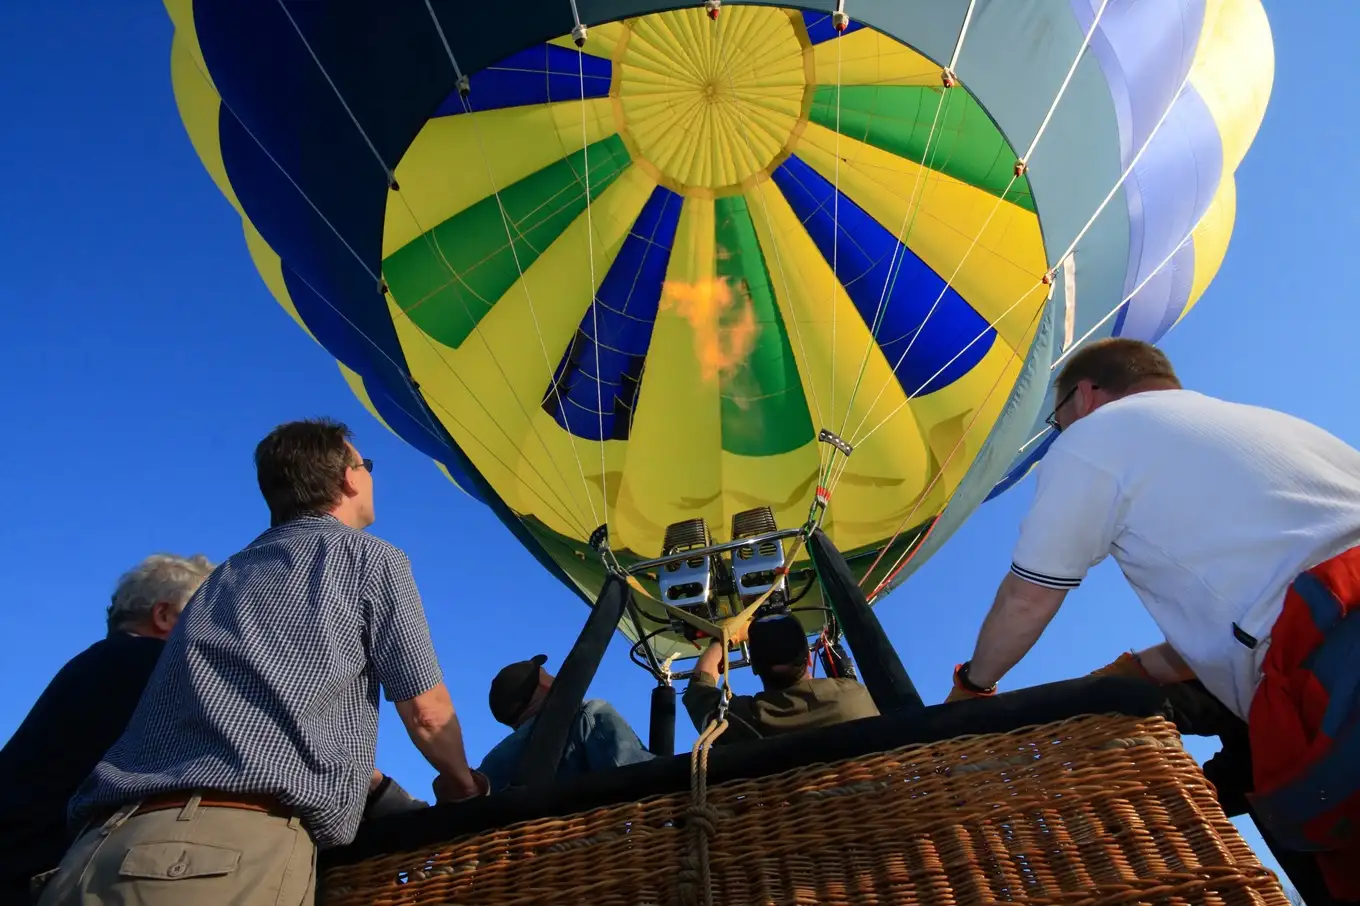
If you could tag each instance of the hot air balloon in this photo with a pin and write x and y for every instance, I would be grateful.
(722, 305)
(671, 274)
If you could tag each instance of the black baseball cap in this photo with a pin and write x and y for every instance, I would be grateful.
(777, 641)
(513, 687)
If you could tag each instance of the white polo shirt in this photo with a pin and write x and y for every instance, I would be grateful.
(1210, 508)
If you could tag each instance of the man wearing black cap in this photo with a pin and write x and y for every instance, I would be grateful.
(791, 700)
(599, 740)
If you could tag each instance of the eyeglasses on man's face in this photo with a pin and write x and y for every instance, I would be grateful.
(1067, 398)
(1053, 416)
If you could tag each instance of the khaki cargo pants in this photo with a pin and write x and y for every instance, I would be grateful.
(190, 856)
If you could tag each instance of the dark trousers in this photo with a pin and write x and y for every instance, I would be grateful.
(1197, 713)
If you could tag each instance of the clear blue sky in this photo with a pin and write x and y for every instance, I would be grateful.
(143, 359)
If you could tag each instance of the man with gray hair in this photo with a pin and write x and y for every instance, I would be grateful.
(81, 713)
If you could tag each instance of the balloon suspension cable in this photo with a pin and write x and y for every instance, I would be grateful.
(578, 35)
(1114, 312)
(1046, 279)
(433, 242)
(839, 21)
(915, 201)
(512, 232)
(424, 420)
(839, 24)
(906, 555)
(599, 540)
(822, 498)
(745, 132)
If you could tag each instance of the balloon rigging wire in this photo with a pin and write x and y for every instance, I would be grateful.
(929, 156)
(512, 231)
(1077, 344)
(1016, 174)
(432, 241)
(429, 428)
(387, 171)
(427, 424)
(939, 474)
(1072, 246)
(745, 133)
(1113, 311)
(835, 250)
(555, 389)
(579, 34)
(1018, 171)
(824, 462)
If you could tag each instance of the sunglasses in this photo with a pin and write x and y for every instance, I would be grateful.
(366, 464)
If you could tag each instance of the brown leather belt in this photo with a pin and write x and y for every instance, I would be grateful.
(158, 802)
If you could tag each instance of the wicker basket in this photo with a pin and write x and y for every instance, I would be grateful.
(1092, 810)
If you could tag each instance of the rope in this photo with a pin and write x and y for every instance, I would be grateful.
(694, 880)
(512, 230)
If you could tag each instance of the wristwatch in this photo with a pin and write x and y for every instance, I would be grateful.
(963, 682)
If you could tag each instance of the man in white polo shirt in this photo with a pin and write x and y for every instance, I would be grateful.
(1239, 528)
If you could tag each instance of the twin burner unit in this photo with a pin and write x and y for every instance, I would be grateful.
(698, 582)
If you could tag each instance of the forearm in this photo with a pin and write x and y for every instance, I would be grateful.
(442, 746)
(435, 731)
(702, 694)
(1019, 615)
(708, 662)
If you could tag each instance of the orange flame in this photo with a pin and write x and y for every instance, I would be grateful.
(723, 338)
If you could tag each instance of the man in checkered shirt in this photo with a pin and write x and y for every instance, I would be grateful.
(254, 743)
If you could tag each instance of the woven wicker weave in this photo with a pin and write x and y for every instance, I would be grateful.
(1093, 810)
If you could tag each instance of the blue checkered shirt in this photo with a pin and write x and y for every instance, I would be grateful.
(269, 682)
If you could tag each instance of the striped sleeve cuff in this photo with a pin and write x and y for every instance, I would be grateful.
(1041, 579)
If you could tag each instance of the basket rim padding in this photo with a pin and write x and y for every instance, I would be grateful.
(1002, 713)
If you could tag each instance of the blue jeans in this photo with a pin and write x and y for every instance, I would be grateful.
(600, 739)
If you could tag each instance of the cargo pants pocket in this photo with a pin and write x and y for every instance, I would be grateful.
(178, 861)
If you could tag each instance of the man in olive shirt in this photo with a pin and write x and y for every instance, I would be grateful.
(791, 700)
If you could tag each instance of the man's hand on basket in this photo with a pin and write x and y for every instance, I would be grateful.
(964, 688)
(1159, 664)
(1127, 664)
(452, 788)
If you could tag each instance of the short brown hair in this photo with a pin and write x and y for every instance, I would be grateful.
(301, 467)
(1116, 365)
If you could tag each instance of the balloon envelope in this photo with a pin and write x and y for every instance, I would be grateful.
(629, 283)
